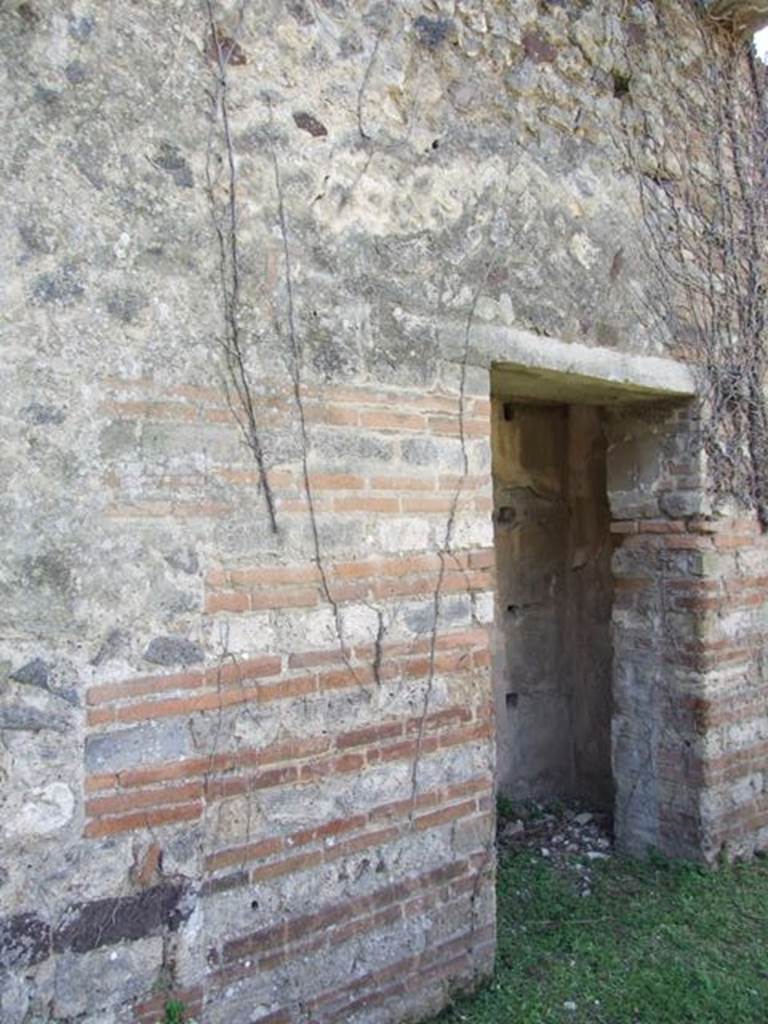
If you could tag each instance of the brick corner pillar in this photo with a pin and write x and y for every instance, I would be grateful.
(690, 730)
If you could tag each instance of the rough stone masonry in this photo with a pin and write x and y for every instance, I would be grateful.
(251, 252)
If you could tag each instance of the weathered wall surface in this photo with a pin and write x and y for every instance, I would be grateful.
(247, 765)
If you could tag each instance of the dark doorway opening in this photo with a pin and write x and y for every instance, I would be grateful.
(553, 654)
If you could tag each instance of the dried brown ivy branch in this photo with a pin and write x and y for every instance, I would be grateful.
(224, 50)
(707, 235)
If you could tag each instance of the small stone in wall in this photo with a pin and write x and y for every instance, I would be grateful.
(127, 748)
(49, 809)
(184, 559)
(81, 28)
(168, 158)
(538, 48)
(432, 31)
(115, 642)
(512, 830)
(32, 673)
(44, 676)
(125, 305)
(173, 650)
(299, 10)
(75, 72)
(310, 124)
(25, 939)
(25, 719)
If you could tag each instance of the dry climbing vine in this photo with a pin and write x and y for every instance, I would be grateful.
(224, 50)
(706, 226)
(295, 364)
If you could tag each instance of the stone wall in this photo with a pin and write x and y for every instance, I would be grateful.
(247, 570)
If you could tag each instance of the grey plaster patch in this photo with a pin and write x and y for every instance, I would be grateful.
(350, 450)
(50, 569)
(48, 98)
(421, 619)
(125, 305)
(14, 999)
(333, 362)
(28, 15)
(169, 158)
(43, 415)
(184, 560)
(418, 451)
(63, 286)
(96, 983)
(37, 237)
(117, 439)
(685, 503)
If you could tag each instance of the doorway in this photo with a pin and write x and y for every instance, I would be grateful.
(596, 464)
(554, 599)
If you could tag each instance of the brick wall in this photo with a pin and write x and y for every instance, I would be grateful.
(689, 627)
(331, 758)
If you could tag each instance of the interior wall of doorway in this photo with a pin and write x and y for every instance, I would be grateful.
(553, 662)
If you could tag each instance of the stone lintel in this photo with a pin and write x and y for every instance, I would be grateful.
(532, 366)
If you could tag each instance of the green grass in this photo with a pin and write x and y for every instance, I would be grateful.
(655, 943)
(174, 1012)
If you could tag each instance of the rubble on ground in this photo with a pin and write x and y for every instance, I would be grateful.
(567, 836)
